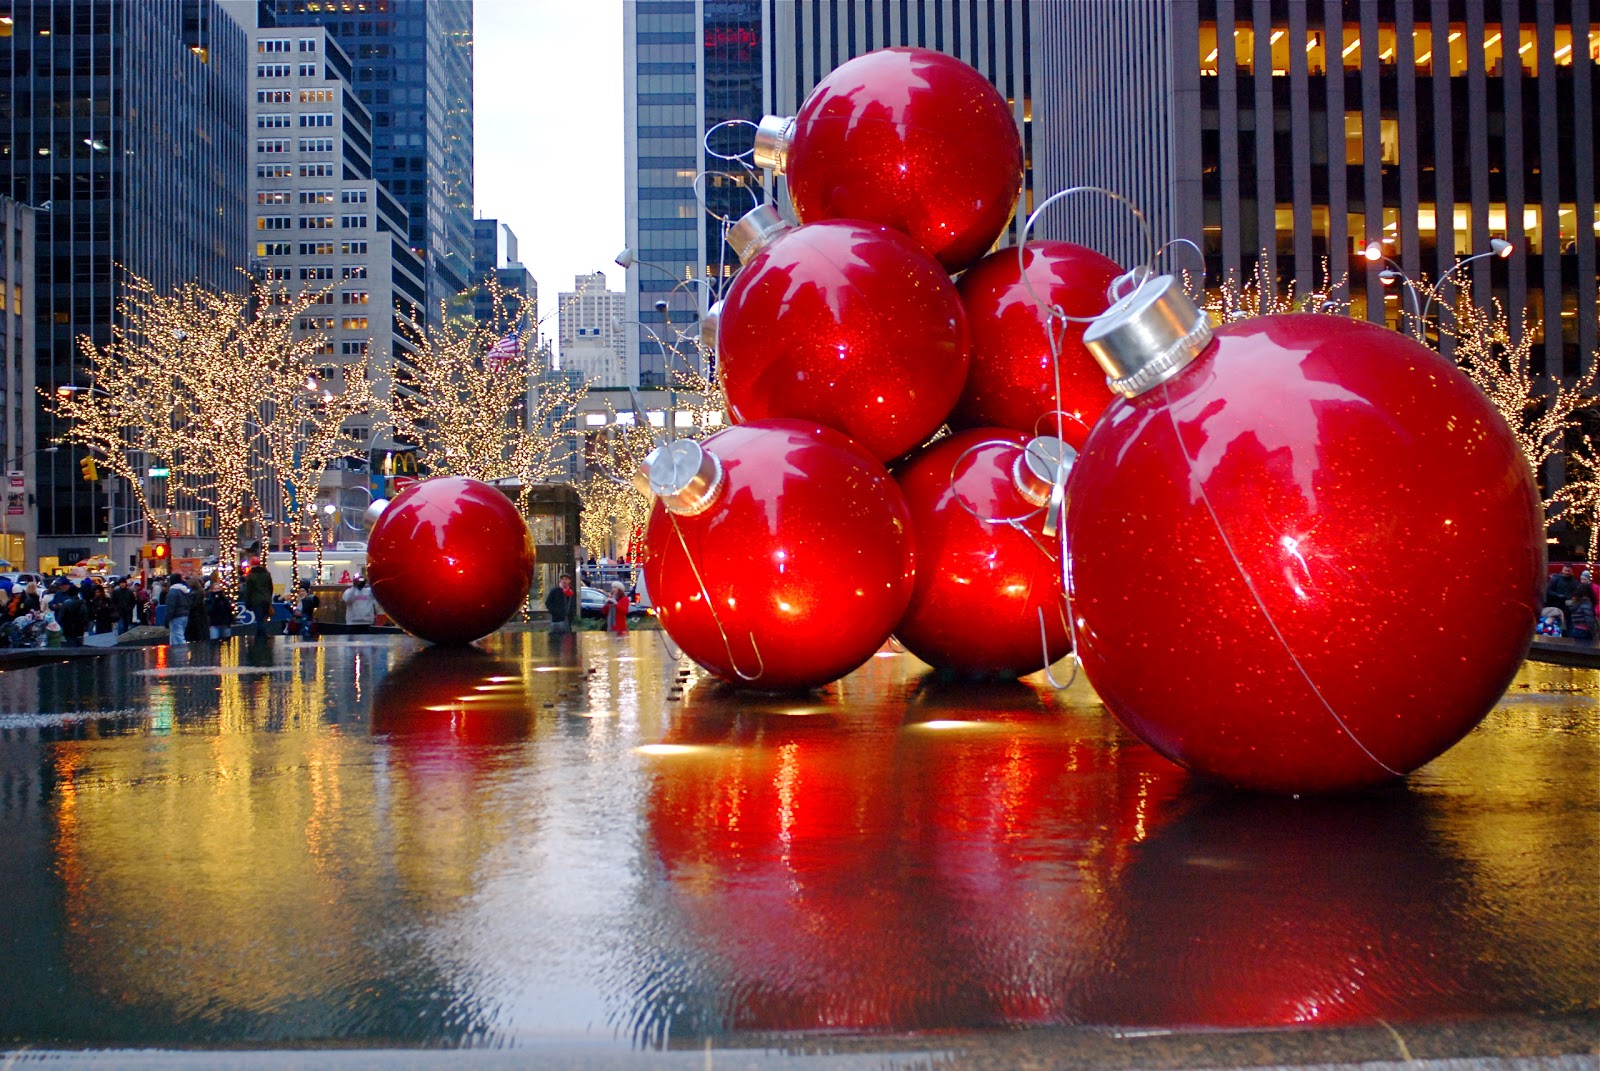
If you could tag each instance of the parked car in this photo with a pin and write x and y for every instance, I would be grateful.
(592, 603)
(21, 580)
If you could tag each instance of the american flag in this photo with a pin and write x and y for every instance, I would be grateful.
(505, 351)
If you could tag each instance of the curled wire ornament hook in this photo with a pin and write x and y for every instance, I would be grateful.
(1067, 618)
(674, 652)
(1044, 644)
(964, 504)
(716, 619)
(1199, 293)
(737, 179)
(1056, 312)
(706, 140)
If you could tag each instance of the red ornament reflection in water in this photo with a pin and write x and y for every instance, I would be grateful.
(450, 560)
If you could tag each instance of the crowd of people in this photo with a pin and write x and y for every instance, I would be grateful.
(65, 611)
(1569, 605)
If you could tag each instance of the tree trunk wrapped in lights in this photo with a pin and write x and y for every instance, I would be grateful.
(476, 398)
(193, 380)
(306, 433)
(610, 501)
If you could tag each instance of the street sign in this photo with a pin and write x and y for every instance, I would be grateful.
(160, 473)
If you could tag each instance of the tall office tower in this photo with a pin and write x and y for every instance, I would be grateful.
(494, 255)
(413, 71)
(127, 122)
(322, 222)
(18, 435)
(688, 68)
(593, 341)
(1427, 131)
(809, 38)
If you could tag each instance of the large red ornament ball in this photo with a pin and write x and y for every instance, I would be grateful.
(913, 139)
(850, 325)
(450, 560)
(981, 587)
(1311, 561)
(805, 553)
(1013, 377)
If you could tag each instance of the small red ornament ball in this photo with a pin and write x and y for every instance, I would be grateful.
(805, 553)
(1309, 562)
(981, 587)
(913, 139)
(450, 560)
(850, 325)
(1013, 377)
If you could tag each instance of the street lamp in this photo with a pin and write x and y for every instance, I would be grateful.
(1499, 248)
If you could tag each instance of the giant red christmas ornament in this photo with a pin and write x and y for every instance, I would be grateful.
(1014, 375)
(906, 137)
(780, 554)
(450, 560)
(847, 324)
(1307, 553)
(988, 599)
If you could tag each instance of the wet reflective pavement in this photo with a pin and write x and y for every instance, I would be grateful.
(572, 842)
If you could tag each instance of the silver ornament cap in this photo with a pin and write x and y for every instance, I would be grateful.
(708, 327)
(1043, 463)
(755, 231)
(375, 508)
(1148, 337)
(686, 477)
(774, 134)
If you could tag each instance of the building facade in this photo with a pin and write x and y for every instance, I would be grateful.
(413, 70)
(18, 428)
(592, 339)
(671, 48)
(125, 125)
(693, 65)
(323, 224)
(494, 256)
(1299, 135)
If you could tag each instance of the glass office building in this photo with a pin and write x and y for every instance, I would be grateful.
(413, 71)
(124, 125)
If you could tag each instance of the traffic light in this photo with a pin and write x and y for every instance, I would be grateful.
(159, 552)
(90, 472)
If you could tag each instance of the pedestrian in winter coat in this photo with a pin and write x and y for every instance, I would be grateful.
(360, 608)
(123, 604)
(617, 608)
(219, 611)
(562, 602)
(72, 614)
(177, 601)
(258, 597)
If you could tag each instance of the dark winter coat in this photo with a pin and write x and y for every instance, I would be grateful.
(72, 614)
(219, 609)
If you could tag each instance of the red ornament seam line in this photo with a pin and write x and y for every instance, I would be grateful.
(1250, 585)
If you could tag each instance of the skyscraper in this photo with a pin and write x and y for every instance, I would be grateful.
(593, 342)
(494, 256)
(322, 222)
(688, 67)
(691, 67)
(413, 71)
(1306, 133)
(125, 125)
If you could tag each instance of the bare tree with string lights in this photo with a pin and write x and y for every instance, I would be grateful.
(463, 398)
(305, 434)
(183, 381)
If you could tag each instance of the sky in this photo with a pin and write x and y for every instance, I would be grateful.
(547, 99)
